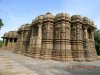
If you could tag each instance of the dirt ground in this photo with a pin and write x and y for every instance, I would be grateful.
(16, 64)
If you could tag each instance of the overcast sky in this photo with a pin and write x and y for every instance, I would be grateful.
(14, 13)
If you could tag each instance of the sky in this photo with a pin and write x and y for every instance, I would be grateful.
(15, 13)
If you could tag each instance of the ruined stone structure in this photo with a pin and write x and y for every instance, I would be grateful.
(61, 37)
(23, 38)
(10, 39)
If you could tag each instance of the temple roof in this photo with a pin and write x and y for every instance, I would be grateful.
(24, 27)
(11, 34)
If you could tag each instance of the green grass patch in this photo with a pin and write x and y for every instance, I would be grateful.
(1, 43)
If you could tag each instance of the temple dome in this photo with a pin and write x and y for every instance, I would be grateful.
(48, 17)
(91, 22)
(62, 16)
(85, 20)
(5, 35)
(24, 27)
(76, 18)
(11, 34)
(38, 19)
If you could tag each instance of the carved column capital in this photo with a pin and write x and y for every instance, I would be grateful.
(92, 35)
(40, 25)
(86, 32)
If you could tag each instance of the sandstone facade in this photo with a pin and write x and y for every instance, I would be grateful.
(61, 37)
(9, 40)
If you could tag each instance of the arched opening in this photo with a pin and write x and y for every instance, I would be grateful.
(35, 31)
(6, 42)
(11, 39)
(89, 33)
(15, 40)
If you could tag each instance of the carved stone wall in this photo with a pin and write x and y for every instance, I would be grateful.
(36, 38)
(88, 40)
(77, 38)
(61, 37)
(10, 40)
(23, 39)
(47, 36)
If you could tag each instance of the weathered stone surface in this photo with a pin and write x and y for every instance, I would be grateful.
(18, 64)
(61, 37)
(10, 40)
(10, 67)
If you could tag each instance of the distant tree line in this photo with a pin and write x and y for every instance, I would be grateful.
(97, 41)
(1, 23)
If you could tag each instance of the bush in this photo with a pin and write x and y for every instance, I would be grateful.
(1, 43)
(97, 41)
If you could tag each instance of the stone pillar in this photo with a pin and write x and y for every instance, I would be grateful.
(13, 43)
(93, 47)
(16, 39)
(85, 32)
(35, 39)
(89, 46)
(56, 54)
(92, 42)
(18, 50)
(39, 41)
(92, 35)
(47, 36)
(77, 38)
(62, 38)
(26, 38)
(39, 35)
(9, 43)
(4, 42)
(22, 47)
(29, 52)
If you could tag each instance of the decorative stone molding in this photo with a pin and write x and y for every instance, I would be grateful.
(61, 37)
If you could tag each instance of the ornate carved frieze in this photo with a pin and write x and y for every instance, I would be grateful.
(61, 37)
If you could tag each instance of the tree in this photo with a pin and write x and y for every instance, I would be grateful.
(97, 41)
(1, 24)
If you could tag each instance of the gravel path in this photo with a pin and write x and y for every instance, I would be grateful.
(16, 64)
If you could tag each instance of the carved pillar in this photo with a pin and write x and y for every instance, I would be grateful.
(18, 43)
(22, 42)
(23, 36)
(39, 41)
(89, 46)
(62, 39)
(92, 35)
(85, 32)
(47, 36)
(8, 45)
(39, 35)
(15, 40)
(13, 44)
(47, 41)
(93, 47)
(26, 38)
(56, 54)
(31, 45)
(5, 39)
(4, 42)
(77, 38)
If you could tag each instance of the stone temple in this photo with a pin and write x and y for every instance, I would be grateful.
(61, 37)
